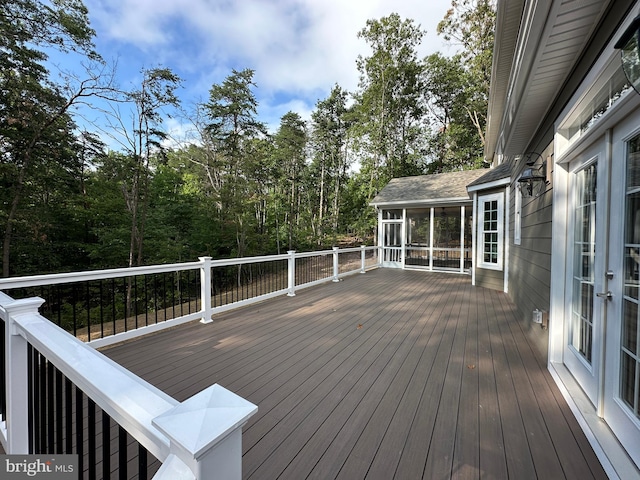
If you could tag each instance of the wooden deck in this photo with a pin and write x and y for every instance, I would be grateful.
(391, 374)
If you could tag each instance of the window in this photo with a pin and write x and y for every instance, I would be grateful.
(490, 231)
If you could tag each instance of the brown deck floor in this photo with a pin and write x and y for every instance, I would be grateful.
(391, 374)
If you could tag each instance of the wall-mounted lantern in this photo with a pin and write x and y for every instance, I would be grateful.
(629, 44)
(534, 177)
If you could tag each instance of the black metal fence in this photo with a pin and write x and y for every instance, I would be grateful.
(93, 309)
(234, 283)
(63, 420)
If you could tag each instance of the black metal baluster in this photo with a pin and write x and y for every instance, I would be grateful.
(113, 304)
(173, 295)
(156, 306)
(101, 309)
(73, 310)
(31, 396)
(68, 412)
(135, 300)
(142, 463)
(42, 403)
(179, 276)
(88, 313)
(106, 445)
(91, 424)
(50, 409)
(122, 453)
(189, 295)
(126, 302)
(80, 429)
(146, 303)
(58, 411)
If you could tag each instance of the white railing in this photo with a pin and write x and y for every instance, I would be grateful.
(285, 274)
(190, 441)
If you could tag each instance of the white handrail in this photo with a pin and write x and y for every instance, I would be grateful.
(129, 400)
(196, 448)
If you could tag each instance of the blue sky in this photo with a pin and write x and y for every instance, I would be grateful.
(298, 48)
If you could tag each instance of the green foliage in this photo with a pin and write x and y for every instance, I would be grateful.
(69, 204)
(390, 110)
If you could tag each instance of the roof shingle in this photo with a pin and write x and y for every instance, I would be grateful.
(437, 187)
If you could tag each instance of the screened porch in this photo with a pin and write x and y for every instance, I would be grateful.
(426, 222)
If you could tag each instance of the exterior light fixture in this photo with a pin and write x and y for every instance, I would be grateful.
(534, 176)
(629, 45)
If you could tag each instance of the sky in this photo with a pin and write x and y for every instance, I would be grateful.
(299, 49)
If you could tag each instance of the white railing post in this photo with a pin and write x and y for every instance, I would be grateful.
(17, 375)
(205, 289)
(363, 258)
(292, 273)
(205, 434)
(336, 264)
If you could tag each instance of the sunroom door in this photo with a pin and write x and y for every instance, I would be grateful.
(586, 268)
(392, 231)
(622, 369)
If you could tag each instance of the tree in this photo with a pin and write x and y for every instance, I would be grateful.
(329, 135)
(389, 103)
(34, 110)
(459, 86)
(142, 142)
(233, 125)
(290, 153)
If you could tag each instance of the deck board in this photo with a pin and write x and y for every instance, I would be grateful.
(390, 374)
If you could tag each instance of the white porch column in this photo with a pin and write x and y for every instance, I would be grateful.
(17, 376)
(363, 259)
(474, 238)
(292, 273)
(336, 265)
(205, 435)
(462, 222)
(205, 289)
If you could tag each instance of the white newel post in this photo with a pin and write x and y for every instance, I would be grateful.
(292, 273)
(205, 289)
(336, 265)
(205, 434)
(363, 258)
(17, 376)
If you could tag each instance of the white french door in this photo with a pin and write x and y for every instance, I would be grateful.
(621, 389)
(586, 240)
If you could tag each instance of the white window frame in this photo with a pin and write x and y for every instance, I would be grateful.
(482, 200)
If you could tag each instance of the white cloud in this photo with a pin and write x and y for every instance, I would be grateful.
(298, 48)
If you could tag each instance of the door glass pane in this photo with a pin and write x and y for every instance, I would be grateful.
(418, 236)
(584, 247)
(392, 235)
(630, 349)
(446, 237)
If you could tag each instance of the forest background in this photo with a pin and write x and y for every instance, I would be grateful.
(72, 201)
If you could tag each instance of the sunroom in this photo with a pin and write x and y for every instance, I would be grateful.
(426, 222)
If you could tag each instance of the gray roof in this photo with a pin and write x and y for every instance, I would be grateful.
(423, 189)
(500, 172)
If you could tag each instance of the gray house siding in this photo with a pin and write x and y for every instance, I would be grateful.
(530, 265)
(530, 262)
(489, 279)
